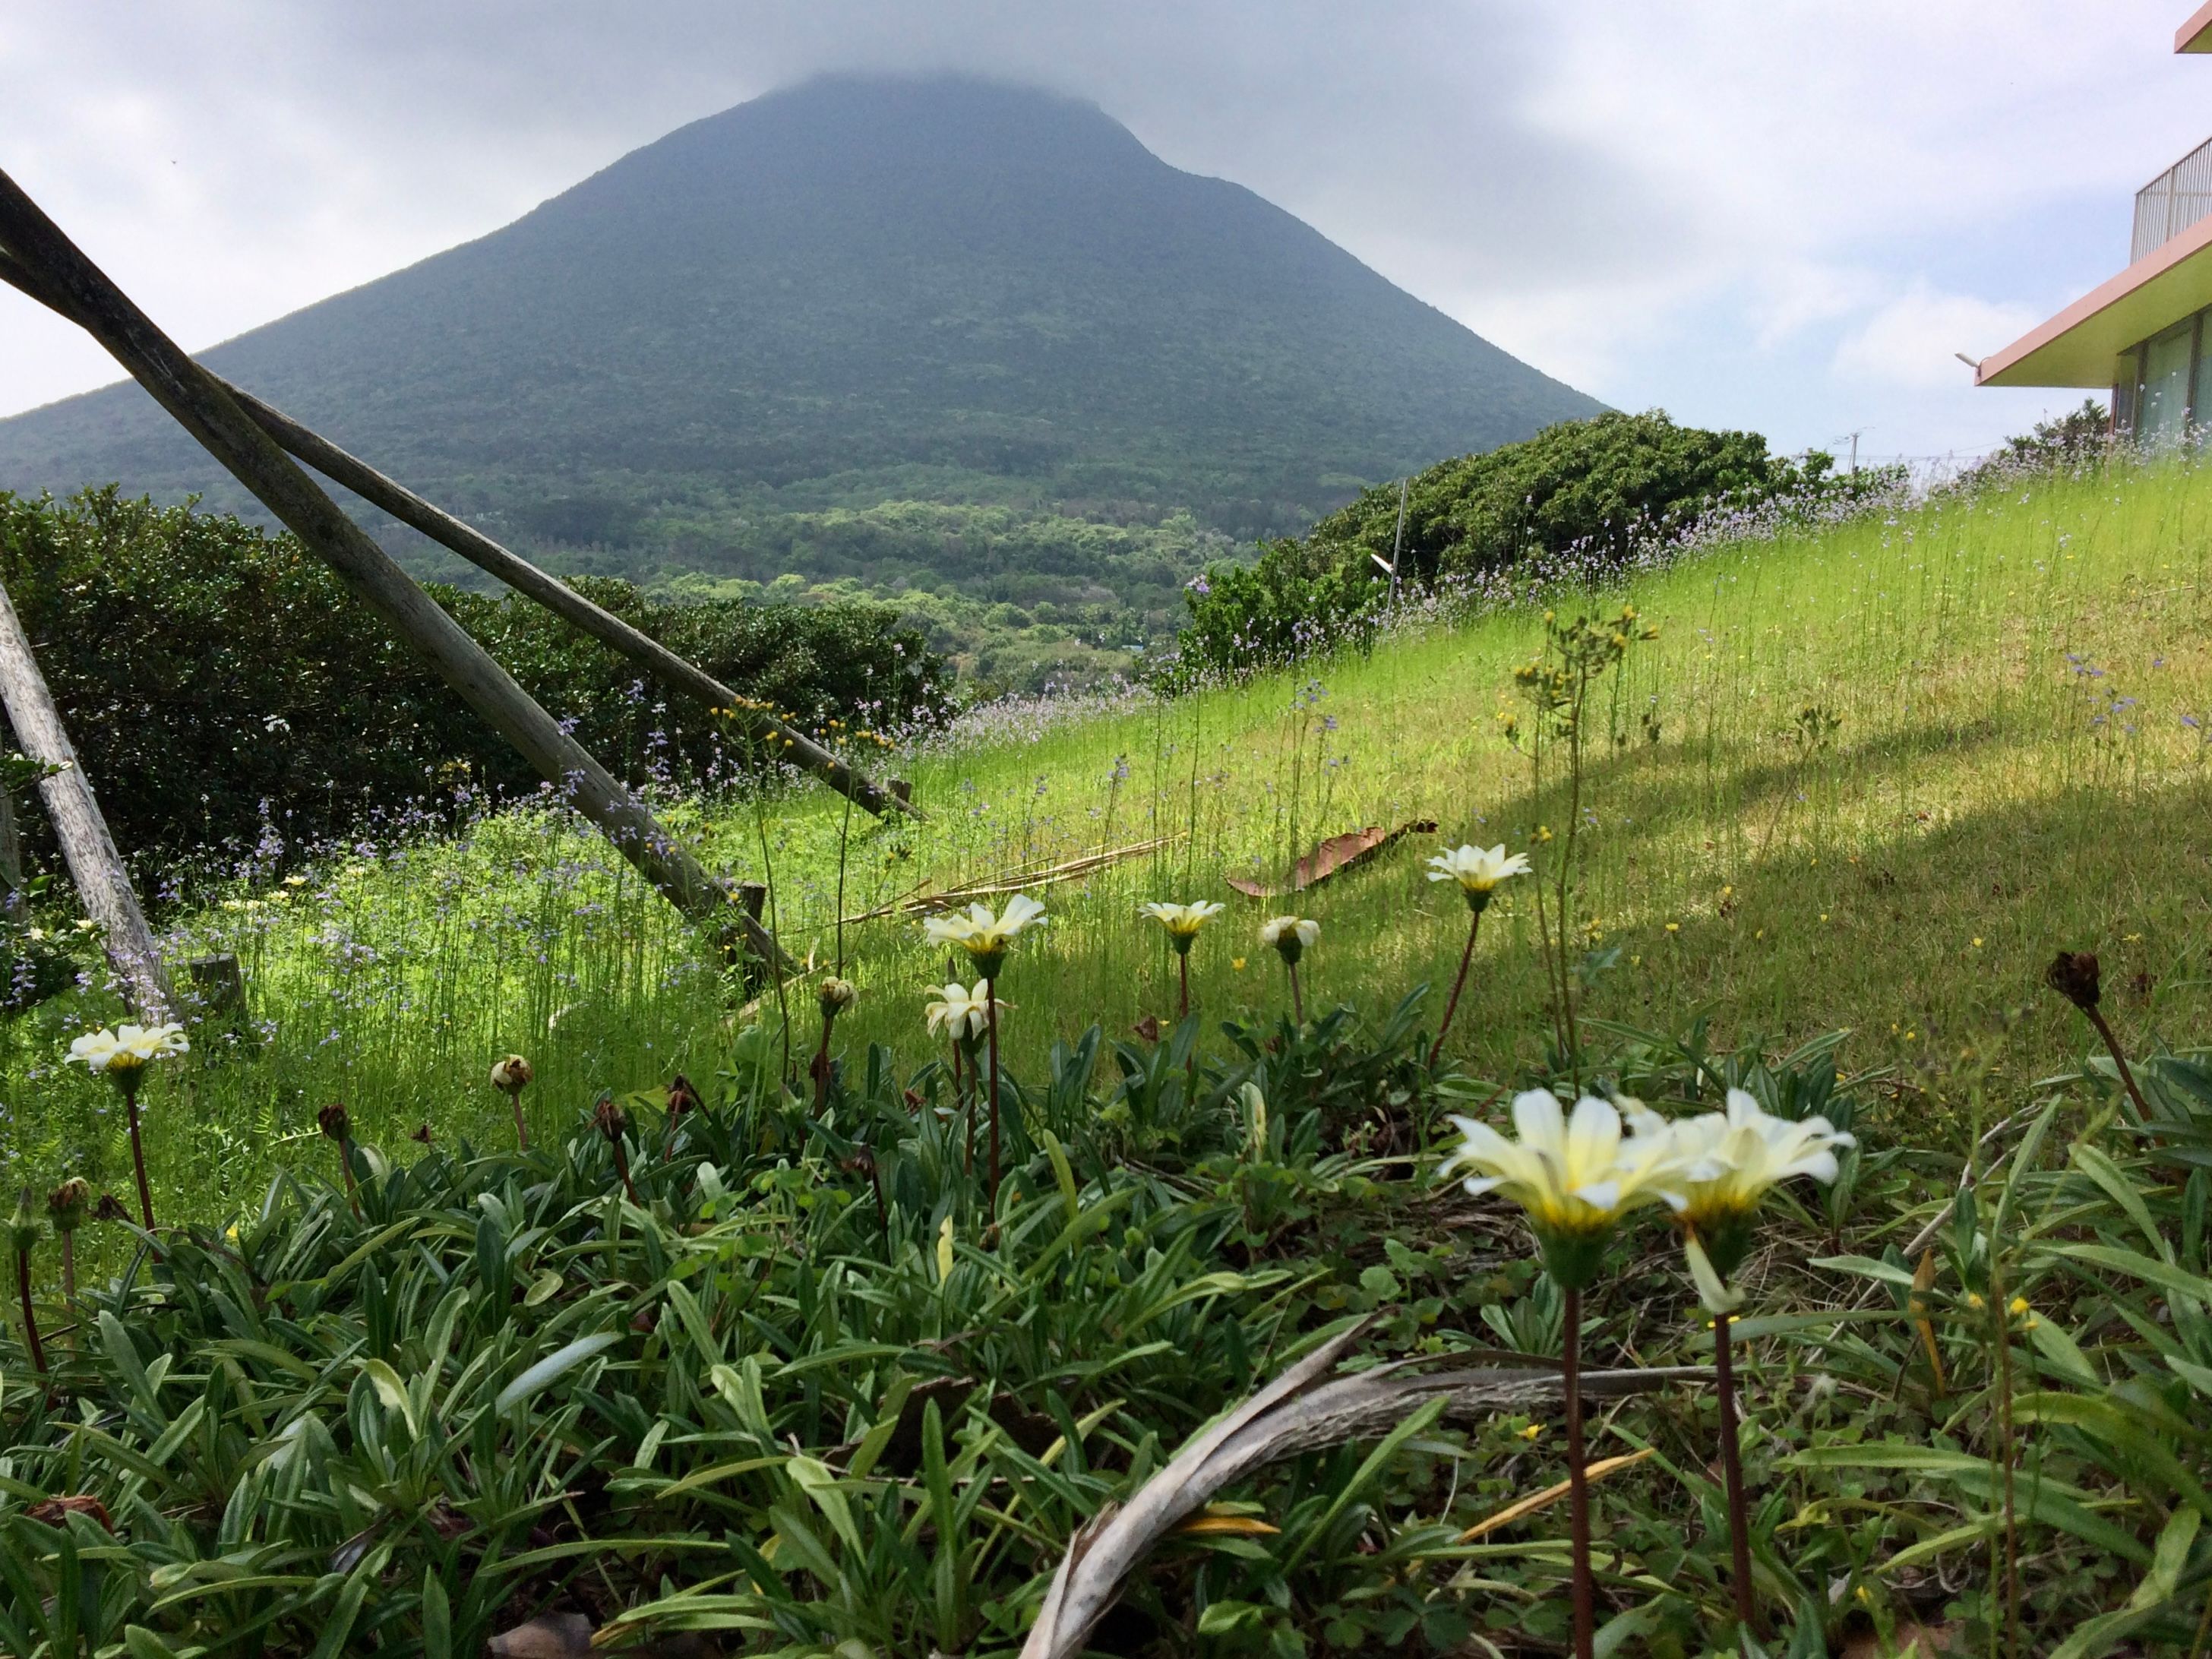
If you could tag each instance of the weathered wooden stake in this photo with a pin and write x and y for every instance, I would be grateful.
(63, 278)
(90, 850)
(11, 857)
(752, 896)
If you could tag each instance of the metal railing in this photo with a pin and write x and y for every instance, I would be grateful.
(2173, 202)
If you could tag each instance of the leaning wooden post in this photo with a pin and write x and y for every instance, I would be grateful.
(72, 284)
(90, 850)
(457, 535)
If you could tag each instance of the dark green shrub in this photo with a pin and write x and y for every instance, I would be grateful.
(1602, 486)
(1582, 495)
(223, 689)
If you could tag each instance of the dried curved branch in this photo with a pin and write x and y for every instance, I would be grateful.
(1304, 1409)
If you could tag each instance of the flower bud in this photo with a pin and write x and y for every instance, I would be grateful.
(333, 1122)
(609, 1118)
(837, 995)
(110, 1208)
(67, 1204)
(23, 1227)
(511, 1074)
(682, 1097)
(2073, 975)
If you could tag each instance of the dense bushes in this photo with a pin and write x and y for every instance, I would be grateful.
(220, 684)
(1592, 490)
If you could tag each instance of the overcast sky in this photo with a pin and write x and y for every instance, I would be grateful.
(1781, 214)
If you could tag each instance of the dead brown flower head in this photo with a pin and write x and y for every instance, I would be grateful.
(609, 1118)
(67, 1204)
(2073, 975)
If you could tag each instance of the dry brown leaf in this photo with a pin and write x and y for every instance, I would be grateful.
(1923, 1280)
(1211, 1523)
(548, 1636)
(1338, 853)
(56, 1511)
(1512, 1512)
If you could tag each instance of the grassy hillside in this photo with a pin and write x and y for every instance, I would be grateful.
(1900, 762)
(773, 341)
(796, 1367)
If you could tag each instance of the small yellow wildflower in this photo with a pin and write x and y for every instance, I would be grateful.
(1974, 1301)
(1978, 941)
(2017, 1306)
(1237, 963)
(1533, 1432)
(1674, 926)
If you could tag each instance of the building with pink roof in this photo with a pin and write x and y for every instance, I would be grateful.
(2144, 334)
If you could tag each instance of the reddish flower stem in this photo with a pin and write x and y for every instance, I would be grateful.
(2112, 1044)
(139, 1158)
(30, 1319)
(1465, 958)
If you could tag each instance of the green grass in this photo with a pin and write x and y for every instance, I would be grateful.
(1985, 799)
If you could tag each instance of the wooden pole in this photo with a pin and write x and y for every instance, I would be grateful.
(90, 850)
(199, 403)
(460, 536)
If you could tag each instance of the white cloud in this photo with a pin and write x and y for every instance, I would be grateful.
(1913, 341)
(1731, 204)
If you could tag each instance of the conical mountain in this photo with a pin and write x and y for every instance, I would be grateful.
(850, 292)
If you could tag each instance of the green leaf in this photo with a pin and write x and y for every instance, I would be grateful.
(2179, 1281)
(1865, 1266)
(2118, 1188)
(1062, 1172)
(437, 1618)
(123, 1354)
(1885, 1454)
(1418, 1423)
(819, 1483)
(555, 1364)
(393, 1392)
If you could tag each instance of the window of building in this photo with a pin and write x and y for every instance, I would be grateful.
(2200, 399)
(2162, 405)
(2126, 373)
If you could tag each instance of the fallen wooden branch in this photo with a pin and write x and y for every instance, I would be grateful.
(1337, 853)
(1304, 1409)
(914, 905)
(52, 270)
